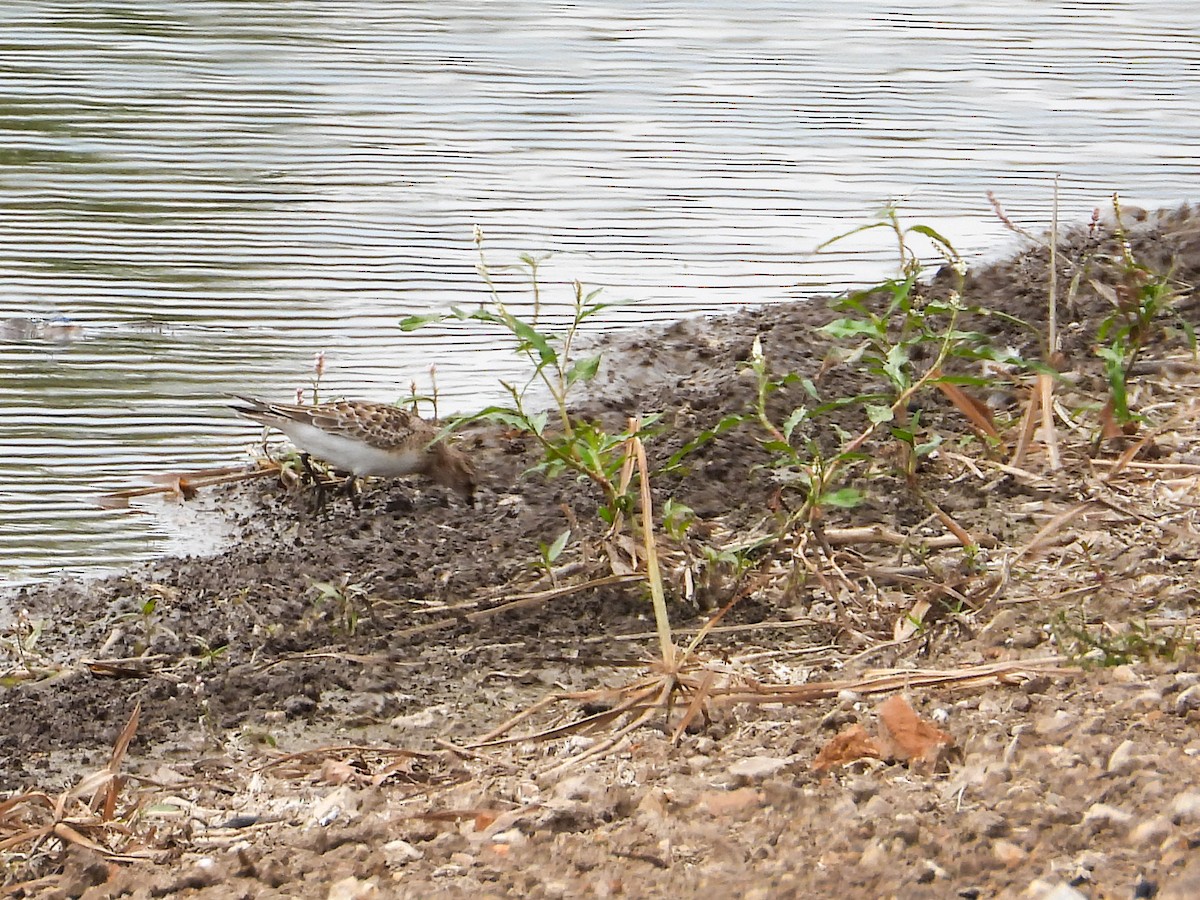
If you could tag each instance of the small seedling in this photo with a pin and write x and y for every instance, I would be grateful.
(348, 598)
(548, 554)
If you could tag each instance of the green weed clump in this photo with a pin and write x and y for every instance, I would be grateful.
(901, 342)
(568, 443)
(1103, 645)
(1141, 302)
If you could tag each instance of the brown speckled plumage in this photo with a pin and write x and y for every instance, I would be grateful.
(367, 439)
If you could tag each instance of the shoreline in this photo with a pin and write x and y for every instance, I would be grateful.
(401, 629)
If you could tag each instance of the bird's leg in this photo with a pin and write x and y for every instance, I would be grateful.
(350, 487)
(306, 461)
(317, 482)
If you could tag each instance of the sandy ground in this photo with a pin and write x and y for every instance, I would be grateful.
(315, 700)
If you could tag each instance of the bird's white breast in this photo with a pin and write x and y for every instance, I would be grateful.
(354, 456)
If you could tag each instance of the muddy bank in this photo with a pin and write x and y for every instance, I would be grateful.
(375, 631)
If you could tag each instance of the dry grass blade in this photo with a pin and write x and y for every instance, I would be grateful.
(512, 722)
(1035, 544)
(120, 748)
(634, 697)
(69, 835)
(1123, 461)
(91, 820)
(612, 742)
(1028, 427)
(512, 603)
(185, 484)
(653, 572)
(342, 750)
(699, 696)
(892, 680)
(978, 413)
(1045, 385)
(881, 534)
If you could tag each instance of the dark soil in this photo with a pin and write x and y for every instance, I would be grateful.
(306, 694)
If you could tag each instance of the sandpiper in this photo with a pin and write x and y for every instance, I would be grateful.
(364, 438)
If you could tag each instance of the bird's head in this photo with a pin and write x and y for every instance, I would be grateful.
(452, 468)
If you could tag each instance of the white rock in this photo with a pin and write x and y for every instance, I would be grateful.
(1040, 890)
(756, 768)
(1122, 761)
(341, 803)
(1057, 725)
(352, 889)
(1186, 807)
(1188, 700)
(1152, 831)
(1126, 675)
(578, 787)
(1105, 814)
(398, 852)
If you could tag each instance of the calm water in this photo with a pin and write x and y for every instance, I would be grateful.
(214, 191)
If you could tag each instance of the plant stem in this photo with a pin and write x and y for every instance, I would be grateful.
(653, 573)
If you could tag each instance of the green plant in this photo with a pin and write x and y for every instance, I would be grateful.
(1104, 646)
(548, 554)
(804, 467)
(209, 655)
(903, 338)
(1139, 301)
(149, 604)
(677, 518)
(572, 444)
(348, 598)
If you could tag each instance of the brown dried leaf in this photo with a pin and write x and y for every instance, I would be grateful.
(69, 835)
(1109, 429)
(851, 744)
(906, 736)
(978, 413)
(336, 771)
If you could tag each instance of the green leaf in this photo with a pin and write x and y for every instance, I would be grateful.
(704, 437)
(646, 427)
(936, 237)
(923, 450)
(843, 498)
(589, 458)
(504, 416)
(799, 414)
(779, 447)
(584, 370)
(877, 414)
(412, 323)
(555, 549)
(594, 308)
(851, 233)
(677, 517)
(485, 315)
(847, 328)
(893, 367)
(535, 339)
